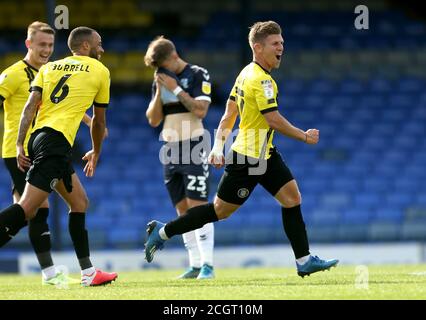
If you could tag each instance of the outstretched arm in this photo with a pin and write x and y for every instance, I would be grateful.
(27, 117)
(277, 122)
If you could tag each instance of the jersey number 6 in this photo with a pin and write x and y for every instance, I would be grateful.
(61, 85)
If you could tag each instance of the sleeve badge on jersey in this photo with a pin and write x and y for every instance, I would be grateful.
(268, 89)
(2, 77)
(206, 87)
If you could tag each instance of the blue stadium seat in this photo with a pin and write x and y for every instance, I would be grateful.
(412, 230)
(322, 233)
(366, 201)
(348, 184)
(352, 232)
(384, 231)
(420, 199)
(389, 214)
(291, 87)
(125, 237)
(399, 100)
(379, 85)
(132, 220)
(114, 206)
(411, 85)
(351, 86)
(375, 143)
(325, 217)
(103, 222)
(399, 200)
(377, 185)
(356, 215)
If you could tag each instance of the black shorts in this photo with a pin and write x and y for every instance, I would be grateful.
(239, 180)
(186, 171)
(51, 156)
(17, 176)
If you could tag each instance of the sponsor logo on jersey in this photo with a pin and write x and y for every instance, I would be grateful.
(206, 87)
(268, 89)
(184, 82)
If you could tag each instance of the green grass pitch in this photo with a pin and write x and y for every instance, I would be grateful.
(343, 282)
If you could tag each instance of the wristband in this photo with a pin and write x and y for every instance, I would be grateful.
(177, 90)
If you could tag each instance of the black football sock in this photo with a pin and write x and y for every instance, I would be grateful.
(39, 233)
(80, 239)
(12, 219)
(193, 219)
(295, 230)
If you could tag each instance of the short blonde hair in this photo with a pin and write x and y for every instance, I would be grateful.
(261, 30)
(36, 26)
(158, 51)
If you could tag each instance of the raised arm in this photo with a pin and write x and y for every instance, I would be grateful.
(154, 113)
(27, 117)
(197, 107)
(277, 122)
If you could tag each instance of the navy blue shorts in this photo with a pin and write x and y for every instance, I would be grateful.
(186, 171)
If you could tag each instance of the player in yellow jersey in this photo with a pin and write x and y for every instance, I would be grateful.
(62, 91)
(15, 83)
(253, 159)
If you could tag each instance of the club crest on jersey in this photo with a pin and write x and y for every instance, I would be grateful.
(206, 87)
(268, 89)
(184, 82)
(243, 193)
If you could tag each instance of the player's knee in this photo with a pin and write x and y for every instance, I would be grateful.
(45, 204)
(80, 205)
(29, 210)
(85, 203)
(292, 200)
(41, 216)
(181, 207)
(222, 211)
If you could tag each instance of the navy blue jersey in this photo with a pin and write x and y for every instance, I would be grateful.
(193, 79)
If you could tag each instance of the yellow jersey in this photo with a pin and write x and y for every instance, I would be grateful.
(255, 93)
(15, 84)
(69, 87)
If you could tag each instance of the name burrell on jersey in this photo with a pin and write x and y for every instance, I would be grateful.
(71, 67)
